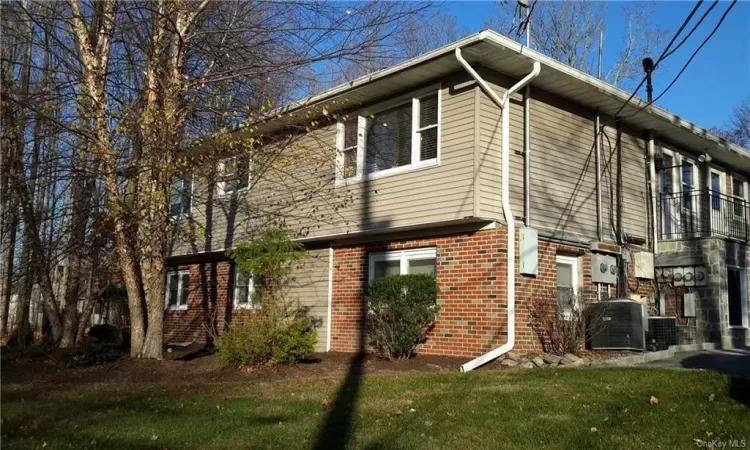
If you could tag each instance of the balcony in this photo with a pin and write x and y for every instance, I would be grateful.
(703, 213)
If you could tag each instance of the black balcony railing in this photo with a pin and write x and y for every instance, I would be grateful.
(703, 213)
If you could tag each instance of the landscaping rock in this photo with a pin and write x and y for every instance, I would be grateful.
(528, 365)
(539, 362)
(551, 359)
(571, 357)
(513, 356)
(508, 363)
(565, 362)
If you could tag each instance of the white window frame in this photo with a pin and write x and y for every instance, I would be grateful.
(744, 183)
(363, 118)
(192, 187)
(179, 306)
(250, 290)
(221, 185)
(404, 256)
(574, 263)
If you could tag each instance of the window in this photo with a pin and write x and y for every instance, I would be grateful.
(715, 190)
(404, 135)
(739, 192)
(243, 290)
(180, 200)
(349, 162)
(402, 262)
(567, 285)
(178, 284)
(234, 175)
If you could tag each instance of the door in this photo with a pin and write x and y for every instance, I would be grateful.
(670, 197)
(718, 204)
(737, 297)
(689, 203)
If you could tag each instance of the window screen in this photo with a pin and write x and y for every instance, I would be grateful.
(428, 127)
(389, 139)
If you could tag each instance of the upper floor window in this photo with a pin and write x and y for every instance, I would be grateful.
(180, 200)
(234, 175)
(400, 136)
(739, 192)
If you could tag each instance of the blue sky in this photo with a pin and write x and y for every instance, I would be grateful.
(714, 83)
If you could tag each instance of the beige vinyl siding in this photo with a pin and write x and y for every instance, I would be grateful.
(309, 287)
(563, 167)
(301, 191)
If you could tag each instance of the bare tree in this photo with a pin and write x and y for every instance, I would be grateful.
(135, 83)
(738, 128)
(568, 31)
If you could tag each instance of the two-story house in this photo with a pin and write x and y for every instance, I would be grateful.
(431, 167)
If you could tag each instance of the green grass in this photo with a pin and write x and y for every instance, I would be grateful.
(535, 409)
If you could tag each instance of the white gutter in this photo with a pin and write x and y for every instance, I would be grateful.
(507, 212)
(652, 176)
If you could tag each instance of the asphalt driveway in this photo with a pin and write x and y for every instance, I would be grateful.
(735, 363)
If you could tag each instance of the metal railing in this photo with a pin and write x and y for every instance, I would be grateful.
(702, 213)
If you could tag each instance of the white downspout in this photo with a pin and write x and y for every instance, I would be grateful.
(507, 212)
(652, 175)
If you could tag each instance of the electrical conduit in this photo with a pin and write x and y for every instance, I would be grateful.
(503, 103)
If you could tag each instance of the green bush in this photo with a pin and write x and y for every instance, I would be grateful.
(263, 340)
(402, 310)
(294, 341)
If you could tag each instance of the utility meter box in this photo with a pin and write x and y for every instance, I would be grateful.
(688, 304)
(643, 265)
(529, 247)
(603, 268)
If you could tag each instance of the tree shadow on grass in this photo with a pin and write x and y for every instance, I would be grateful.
(337, 427)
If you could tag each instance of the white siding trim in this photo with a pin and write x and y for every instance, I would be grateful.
(330, 298)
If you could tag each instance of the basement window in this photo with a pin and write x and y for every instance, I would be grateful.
(178, 284)
(402, 262)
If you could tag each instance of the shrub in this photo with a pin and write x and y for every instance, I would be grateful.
(403, 308)
(563, 324)
(294, 341)
(265, 340)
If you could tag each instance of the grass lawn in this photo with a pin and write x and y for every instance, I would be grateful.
(568, 408)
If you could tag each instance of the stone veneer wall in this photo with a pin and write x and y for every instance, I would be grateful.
(712, 308)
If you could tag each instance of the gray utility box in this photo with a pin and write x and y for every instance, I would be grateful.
(603, 268)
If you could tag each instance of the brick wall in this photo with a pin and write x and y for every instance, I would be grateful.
(209, 304)
(471, 273)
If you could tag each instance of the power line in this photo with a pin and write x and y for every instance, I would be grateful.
(661, 58)
(685, 66)
(700, 21)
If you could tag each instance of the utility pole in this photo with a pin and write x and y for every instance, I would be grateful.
(648, 67)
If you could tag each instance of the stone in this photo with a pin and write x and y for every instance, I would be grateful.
(538, 361)
(513, 356)
(577, 363)
(523, 360)
(551, 359)
(528, 365)
(565, 362)
(571, 357)
(508, 363)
